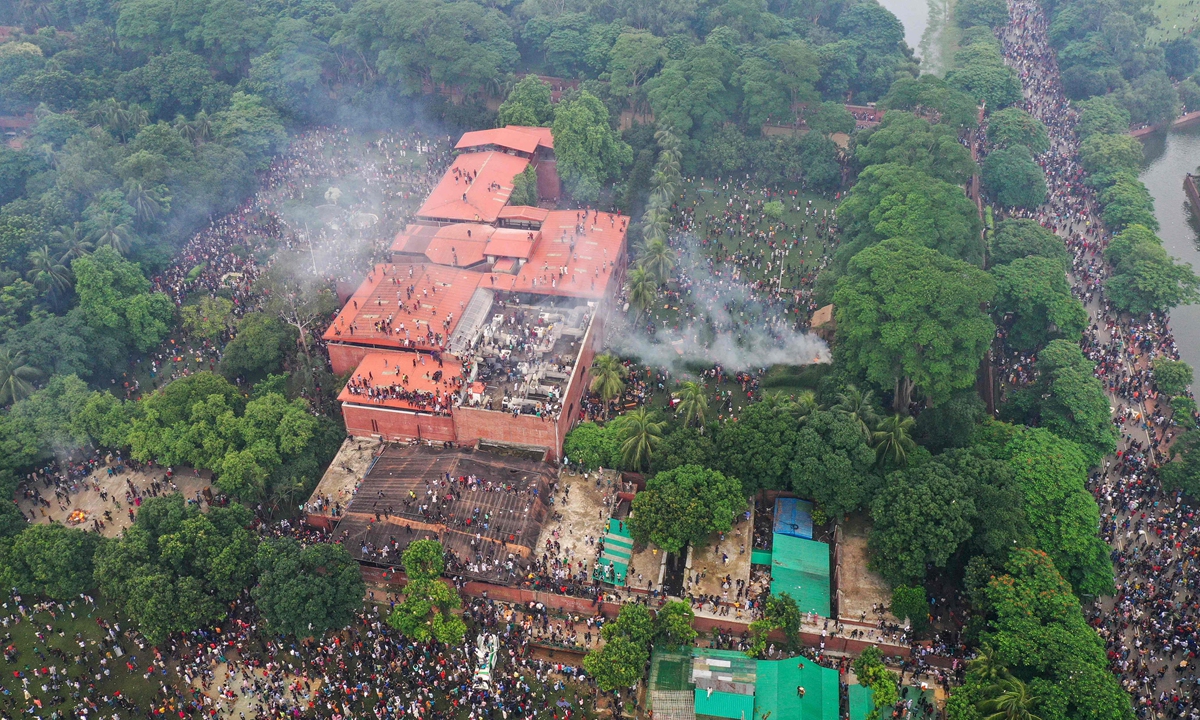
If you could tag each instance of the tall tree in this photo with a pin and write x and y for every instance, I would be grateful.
(307, 591)
(685, 506)
(910, 318)
(640, 434)
(693, 403)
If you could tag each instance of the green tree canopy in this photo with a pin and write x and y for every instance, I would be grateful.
(52, 561)
(307, 591)
(896, 201)
(1105, 154)
(910, 602)
(1101, 115)
(592, 446)
(685, 506)
(673, 625)
(907, 139)
(933, 96)
(991, 13)
(527, 104)
(589, 150)
(1145, 278)
(1172, 376)
(1013, 178)
(1127, 202)
(1052, 475)
(427, 613)
(260, 346)
(1034, 291)
(1013, 126)
(980, 72)
(1037, 629)
(910, 318)
(176, 569)
(116, 298)
(1020, 238)
(832, 462)
(423, 560)
(920, 518)
(199, 420)
(758, 447)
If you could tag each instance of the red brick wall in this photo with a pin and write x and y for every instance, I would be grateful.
(397, 424)
(475, 424)
(548, 184)
(345, 358)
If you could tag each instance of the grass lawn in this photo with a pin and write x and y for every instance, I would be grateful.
(1176, 19)
(794, 273)
(83, 664)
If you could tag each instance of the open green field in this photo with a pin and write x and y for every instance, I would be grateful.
(1176, 18)
(96, 667)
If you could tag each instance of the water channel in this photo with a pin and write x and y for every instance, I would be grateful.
(1170, 156)
(925, 23)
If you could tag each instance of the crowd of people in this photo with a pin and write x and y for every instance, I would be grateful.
(1150, 625)
(296, 210)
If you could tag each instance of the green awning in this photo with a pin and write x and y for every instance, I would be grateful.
(724, 705)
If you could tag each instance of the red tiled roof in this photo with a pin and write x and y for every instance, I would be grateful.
(480, 199)
(395, 370)
(511, 243)
(524, 212)
(588, 266)
(522, 138)
(414, 239)
(504, 265)
(437, 291)
(456, 253)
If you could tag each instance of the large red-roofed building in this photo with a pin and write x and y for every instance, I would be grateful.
(484, 325)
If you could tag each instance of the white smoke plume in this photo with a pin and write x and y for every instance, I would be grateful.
(734, 324)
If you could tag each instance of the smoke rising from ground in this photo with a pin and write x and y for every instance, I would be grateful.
(732, 324)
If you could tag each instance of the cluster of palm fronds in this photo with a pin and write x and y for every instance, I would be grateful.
(655, 258)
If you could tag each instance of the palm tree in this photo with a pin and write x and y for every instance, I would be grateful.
(856, 404)
(149, 203)
(608, 378)
(1014, 702)
(665, 184)
(668, 142)
(198, 131)
(643, 290)
(805, 404)
(37, 13)
(16, 378)
(46, 272)
(658, 258)
(693, 404)
(72, 242)
(113, 233)
(893, 440)
(640, 435)
(655, 223)
(988, 666)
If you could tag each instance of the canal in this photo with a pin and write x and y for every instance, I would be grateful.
(1170, 156)
(928, 30)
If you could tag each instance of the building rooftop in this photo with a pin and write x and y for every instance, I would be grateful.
(475, 188)
(521, 138)
(487, 510)
(575, 256)
(405, 306)
(405, 380)
(525, 213)
(413, 241)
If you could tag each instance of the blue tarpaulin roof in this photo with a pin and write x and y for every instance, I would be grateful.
(793, 516)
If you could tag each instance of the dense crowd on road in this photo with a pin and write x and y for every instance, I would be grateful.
(1150, 624)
